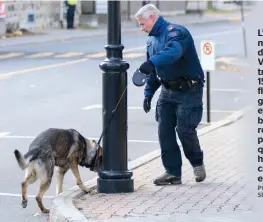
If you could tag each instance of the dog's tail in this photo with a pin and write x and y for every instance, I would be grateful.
(21, 160)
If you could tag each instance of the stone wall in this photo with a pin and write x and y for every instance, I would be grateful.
(47, 14)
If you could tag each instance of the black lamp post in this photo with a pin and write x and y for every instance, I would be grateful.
(114, 177)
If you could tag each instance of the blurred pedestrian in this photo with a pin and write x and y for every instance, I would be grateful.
(172, 62)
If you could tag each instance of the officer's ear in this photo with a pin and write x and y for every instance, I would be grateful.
(152, 18)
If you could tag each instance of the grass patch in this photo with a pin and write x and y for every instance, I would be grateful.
(217, 11)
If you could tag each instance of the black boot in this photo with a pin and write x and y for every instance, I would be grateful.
(167, 179)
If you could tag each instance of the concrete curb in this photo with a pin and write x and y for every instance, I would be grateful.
(100, 32)
(62, 206)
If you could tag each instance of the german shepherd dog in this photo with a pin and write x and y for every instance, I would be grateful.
(63, 148)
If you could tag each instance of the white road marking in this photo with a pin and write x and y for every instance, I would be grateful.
(40, 54)
(36, 215)
(68, 55)
(96, 106)
(4, 134)
(99, 106)
(9, 74)
(11, 55)
(96, 55)
(19, 195)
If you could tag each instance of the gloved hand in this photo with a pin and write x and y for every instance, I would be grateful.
(147, 67)
(147, 103)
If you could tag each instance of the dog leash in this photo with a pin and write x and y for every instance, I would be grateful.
(113, 112)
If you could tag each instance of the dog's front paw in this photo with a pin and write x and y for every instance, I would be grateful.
(24, 203)
(84, 189)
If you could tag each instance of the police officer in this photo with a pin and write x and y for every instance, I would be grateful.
(71, 8)
(172, 62)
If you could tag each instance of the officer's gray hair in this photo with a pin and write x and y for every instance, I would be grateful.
(147, 10)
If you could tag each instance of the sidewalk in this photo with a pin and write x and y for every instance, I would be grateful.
(127, 27)
(223, 196)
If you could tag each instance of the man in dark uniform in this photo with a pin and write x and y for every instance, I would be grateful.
(172, 62)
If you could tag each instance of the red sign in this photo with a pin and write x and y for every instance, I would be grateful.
(207, 48)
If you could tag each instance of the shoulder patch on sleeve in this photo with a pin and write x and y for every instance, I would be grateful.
(175, 32)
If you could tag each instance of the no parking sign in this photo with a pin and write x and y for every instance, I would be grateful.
(208, 55)
(208, 64)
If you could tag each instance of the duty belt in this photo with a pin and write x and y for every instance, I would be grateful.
(181, 84)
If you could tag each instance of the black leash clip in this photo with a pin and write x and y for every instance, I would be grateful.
(138, 78)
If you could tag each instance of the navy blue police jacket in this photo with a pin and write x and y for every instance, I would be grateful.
(170, 47)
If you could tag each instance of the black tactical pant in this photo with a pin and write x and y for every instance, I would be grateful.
(70, 16)
(180, 111)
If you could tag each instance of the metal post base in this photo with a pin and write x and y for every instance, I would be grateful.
(115, 185)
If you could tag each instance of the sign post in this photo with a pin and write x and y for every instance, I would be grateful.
(243, 28)
(208, 64)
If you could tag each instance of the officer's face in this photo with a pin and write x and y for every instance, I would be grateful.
(146, 24)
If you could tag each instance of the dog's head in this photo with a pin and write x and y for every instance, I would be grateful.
(94, 157)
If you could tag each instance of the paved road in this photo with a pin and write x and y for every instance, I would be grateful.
(64, 90)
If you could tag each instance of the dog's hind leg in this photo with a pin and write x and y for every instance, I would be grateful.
(44, 171)
(60, 171)
(43, 188)
(29, 179)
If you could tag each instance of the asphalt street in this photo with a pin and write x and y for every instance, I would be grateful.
(59, 84)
